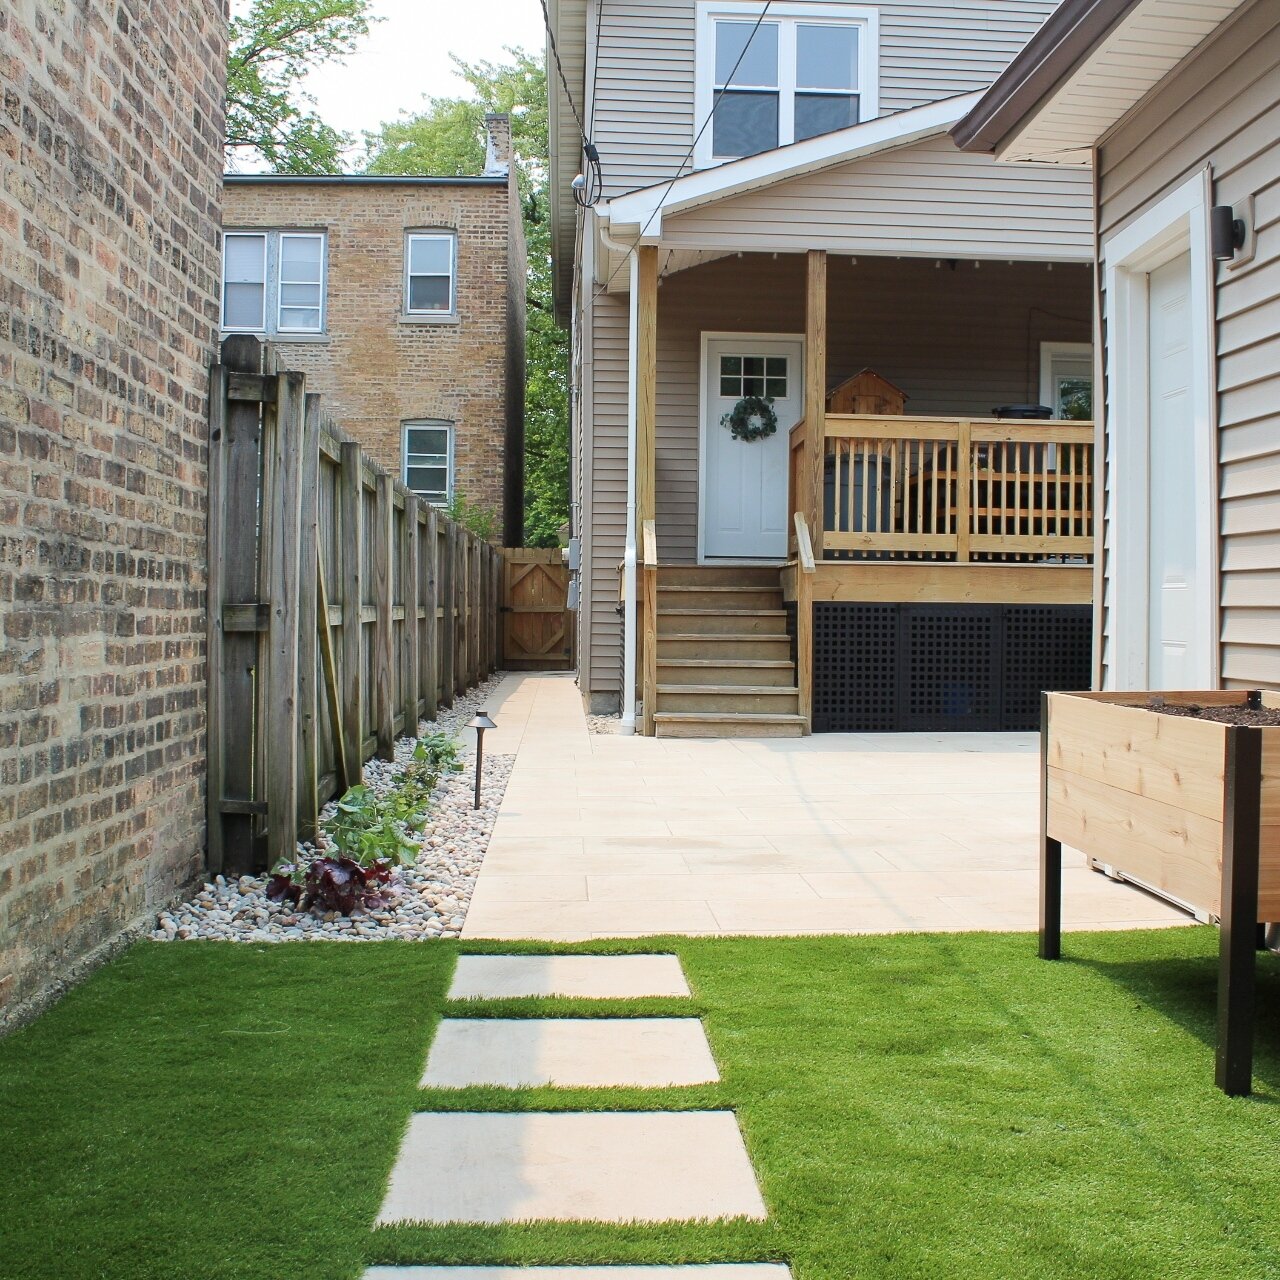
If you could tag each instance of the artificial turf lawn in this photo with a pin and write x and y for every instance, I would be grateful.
(915, 1106)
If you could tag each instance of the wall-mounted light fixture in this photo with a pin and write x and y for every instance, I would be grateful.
(1226, 232)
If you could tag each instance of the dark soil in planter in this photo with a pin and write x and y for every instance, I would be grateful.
(1236, 714)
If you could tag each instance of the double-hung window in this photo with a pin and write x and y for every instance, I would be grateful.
(430, 269)
(804, 70)
(273, 282)
(428, 460)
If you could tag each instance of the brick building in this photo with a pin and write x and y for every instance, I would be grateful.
(110, 159)
(403, 301)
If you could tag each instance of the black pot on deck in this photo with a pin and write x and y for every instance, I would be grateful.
(1023, 411)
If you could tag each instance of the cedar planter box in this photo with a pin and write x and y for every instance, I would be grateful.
(1188, 807)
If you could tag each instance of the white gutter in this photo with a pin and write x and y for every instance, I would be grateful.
(628, 724)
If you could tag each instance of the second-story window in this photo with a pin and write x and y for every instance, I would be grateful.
(430, 269)
(807, 69)
(273, 282)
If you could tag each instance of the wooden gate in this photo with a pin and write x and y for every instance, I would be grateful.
(537, 626)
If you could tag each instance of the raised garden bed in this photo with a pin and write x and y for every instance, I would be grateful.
(1163, 789)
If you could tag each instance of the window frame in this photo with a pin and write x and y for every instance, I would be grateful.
(280, 237)
(272, 265)
(431, 233)
(245, 233)
(787, 17)
(438, 424)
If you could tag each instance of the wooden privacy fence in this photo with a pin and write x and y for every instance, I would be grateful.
(342, 609)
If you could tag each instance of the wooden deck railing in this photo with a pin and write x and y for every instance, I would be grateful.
(950, 489)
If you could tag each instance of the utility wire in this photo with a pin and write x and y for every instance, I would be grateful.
(679, 173)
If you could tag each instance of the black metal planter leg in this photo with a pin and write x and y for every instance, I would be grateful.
(1237, 941)
(1050, 855)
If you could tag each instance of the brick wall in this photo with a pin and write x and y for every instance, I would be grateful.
(110, 158)
(377, 370)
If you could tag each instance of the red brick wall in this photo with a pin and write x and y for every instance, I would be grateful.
(110, 159)
(376, 370)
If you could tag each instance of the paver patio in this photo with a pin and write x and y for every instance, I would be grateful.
(611, 836)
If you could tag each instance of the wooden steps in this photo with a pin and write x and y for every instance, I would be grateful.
(724, 663)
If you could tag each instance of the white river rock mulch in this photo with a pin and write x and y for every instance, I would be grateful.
(428, 898)
(603, 724)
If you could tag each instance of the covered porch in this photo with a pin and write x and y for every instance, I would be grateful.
(906, 508)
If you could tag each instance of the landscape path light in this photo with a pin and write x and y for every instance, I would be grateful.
(480, 724)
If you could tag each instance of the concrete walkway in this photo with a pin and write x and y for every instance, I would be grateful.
(610, 836)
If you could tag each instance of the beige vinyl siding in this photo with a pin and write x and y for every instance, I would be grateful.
(924, 200)
(606, 538)
(642, 116)
(1223, 108)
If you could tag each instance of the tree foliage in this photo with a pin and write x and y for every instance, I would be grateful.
(447, 138)
(273, 44)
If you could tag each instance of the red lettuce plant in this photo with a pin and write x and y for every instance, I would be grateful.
(331, 884)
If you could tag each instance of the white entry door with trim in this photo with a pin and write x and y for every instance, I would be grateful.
(743, 489)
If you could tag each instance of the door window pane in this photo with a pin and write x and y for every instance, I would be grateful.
(756, 62)
(244, 281)
(1074, 399)
(826, 57)
(753, 376)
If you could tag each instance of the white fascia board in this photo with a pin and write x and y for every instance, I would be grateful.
(640, 213)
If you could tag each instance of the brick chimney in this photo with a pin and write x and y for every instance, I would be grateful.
(497, 152)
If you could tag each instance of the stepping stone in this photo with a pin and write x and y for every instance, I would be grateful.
(587, 977)
(575, 1166)
(645, 1053)
(689, 1271)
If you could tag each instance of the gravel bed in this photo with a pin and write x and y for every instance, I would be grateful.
(428, 898)
(603, 724)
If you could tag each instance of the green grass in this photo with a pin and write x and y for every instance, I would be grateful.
(916, 1106)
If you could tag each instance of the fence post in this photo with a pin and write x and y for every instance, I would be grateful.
(215, 782)
(411, 671)
(308, 624)
(448, 595)
(281, 534)
(495, 604)
(429, 554)
(384, 632)
(351, 516)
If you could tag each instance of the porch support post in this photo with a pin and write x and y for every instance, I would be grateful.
(646, 382)
(646, 355)
(815, 395)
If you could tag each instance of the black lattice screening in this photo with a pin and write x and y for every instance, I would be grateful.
(903, 667)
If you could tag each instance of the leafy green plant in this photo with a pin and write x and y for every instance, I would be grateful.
(482, 521)
(441, 752)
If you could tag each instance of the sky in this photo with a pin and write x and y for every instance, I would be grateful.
(405, 58)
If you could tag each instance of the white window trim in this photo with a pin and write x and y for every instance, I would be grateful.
(1174, 226)
(271, 237)
(450, 433)
(429, 233)
(265, 237)
(280, 237)
(825, 11)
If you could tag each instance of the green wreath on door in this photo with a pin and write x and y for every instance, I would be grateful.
(752, 418)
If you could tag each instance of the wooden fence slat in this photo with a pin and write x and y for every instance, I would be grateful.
(448, 596)
(330, 667)
(383, 535)
(409, 635)
(429, 553)
(216, 586)
(308, 631)
(281, 535)
(351, 513)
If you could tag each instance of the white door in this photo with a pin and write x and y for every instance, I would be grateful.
(1174, 491)
(744, 482)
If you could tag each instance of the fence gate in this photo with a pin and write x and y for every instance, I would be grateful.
(537, 627)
